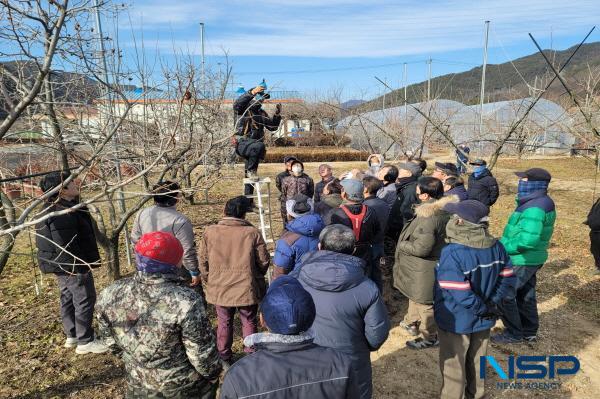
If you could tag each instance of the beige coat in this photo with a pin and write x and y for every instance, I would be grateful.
(233, 262)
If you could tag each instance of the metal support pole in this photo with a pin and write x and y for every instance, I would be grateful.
(203, 71)
(405, 100)
(482, 94)
(117, 161)
(429, 80)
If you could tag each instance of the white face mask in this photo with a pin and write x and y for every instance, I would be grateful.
(297, 169)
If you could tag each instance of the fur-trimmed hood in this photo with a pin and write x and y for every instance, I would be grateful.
(430, 208)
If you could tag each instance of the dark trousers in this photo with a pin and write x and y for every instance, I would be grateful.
(595, 247)
(252, 151)
(459, 364)
(77, 300)
(375, 270)
(520, 315)
(249, 318)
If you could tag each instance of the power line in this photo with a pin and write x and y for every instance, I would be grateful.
(355, 68)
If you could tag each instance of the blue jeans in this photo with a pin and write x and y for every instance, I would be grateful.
(375, 269)
(520, 315)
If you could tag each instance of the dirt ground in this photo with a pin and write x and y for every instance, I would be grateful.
(34, 364)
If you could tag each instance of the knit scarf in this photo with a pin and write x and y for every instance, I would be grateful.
(477, 171)
(527, 187)
(147, 265)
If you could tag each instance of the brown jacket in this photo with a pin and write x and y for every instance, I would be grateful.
(233, 262)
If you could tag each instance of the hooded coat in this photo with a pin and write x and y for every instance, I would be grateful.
(351, 315)
(375, 162)
(419, 249)
(474, 271)
(301, 236)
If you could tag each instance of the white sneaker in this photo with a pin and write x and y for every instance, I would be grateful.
(91, 347)
(70, 342)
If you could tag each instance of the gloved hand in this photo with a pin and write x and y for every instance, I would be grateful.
(493, 311)
(257, 89)
(278, 109)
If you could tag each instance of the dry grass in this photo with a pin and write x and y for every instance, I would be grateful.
(36, 366)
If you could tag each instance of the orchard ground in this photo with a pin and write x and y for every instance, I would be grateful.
(35, 365)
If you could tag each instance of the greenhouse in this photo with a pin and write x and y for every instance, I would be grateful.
(405, 129)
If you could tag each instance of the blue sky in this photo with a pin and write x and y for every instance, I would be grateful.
(313, 46)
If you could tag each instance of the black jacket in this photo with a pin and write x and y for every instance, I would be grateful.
(60, 236)
(279, 178)
(382, 210)
(290, 367)
(368, 232)
(483, 188)
(319, 188)
(593, 218)
(252, 119)
(402, 210)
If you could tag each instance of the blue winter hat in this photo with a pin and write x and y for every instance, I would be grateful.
(240, 90)
(263, 84)
(288, 308)
(469, 210)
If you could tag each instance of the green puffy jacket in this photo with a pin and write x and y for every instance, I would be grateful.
(529, 230)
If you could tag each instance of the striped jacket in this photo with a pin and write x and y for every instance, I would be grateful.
(468, 280)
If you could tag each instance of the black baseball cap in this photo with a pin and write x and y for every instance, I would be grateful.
(478, 162)
(448, 168)
(535, 174)
(289, 158)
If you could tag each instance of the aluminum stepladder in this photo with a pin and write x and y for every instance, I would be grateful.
(262, 201)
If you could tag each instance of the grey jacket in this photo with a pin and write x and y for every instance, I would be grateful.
(351, 315)
(388, 194)
(168, 219)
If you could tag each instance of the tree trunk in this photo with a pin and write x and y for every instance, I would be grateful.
(7, 219)
(7, 242)
(111, 250)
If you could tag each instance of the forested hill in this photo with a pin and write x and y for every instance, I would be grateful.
(503, 81)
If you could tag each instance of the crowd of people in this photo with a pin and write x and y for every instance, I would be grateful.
(309, 329)
(310, 332)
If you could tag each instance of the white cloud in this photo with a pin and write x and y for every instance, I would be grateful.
(349, 28)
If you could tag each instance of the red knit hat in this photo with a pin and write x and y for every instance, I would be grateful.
(160, 246)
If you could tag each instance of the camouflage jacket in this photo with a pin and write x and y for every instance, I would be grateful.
(161, 330)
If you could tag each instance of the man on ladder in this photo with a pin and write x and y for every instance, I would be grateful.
(250, 130)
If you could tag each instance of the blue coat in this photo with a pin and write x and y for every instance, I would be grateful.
(459, 191)
(301, 236)
(351, 315)
(468, 279)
